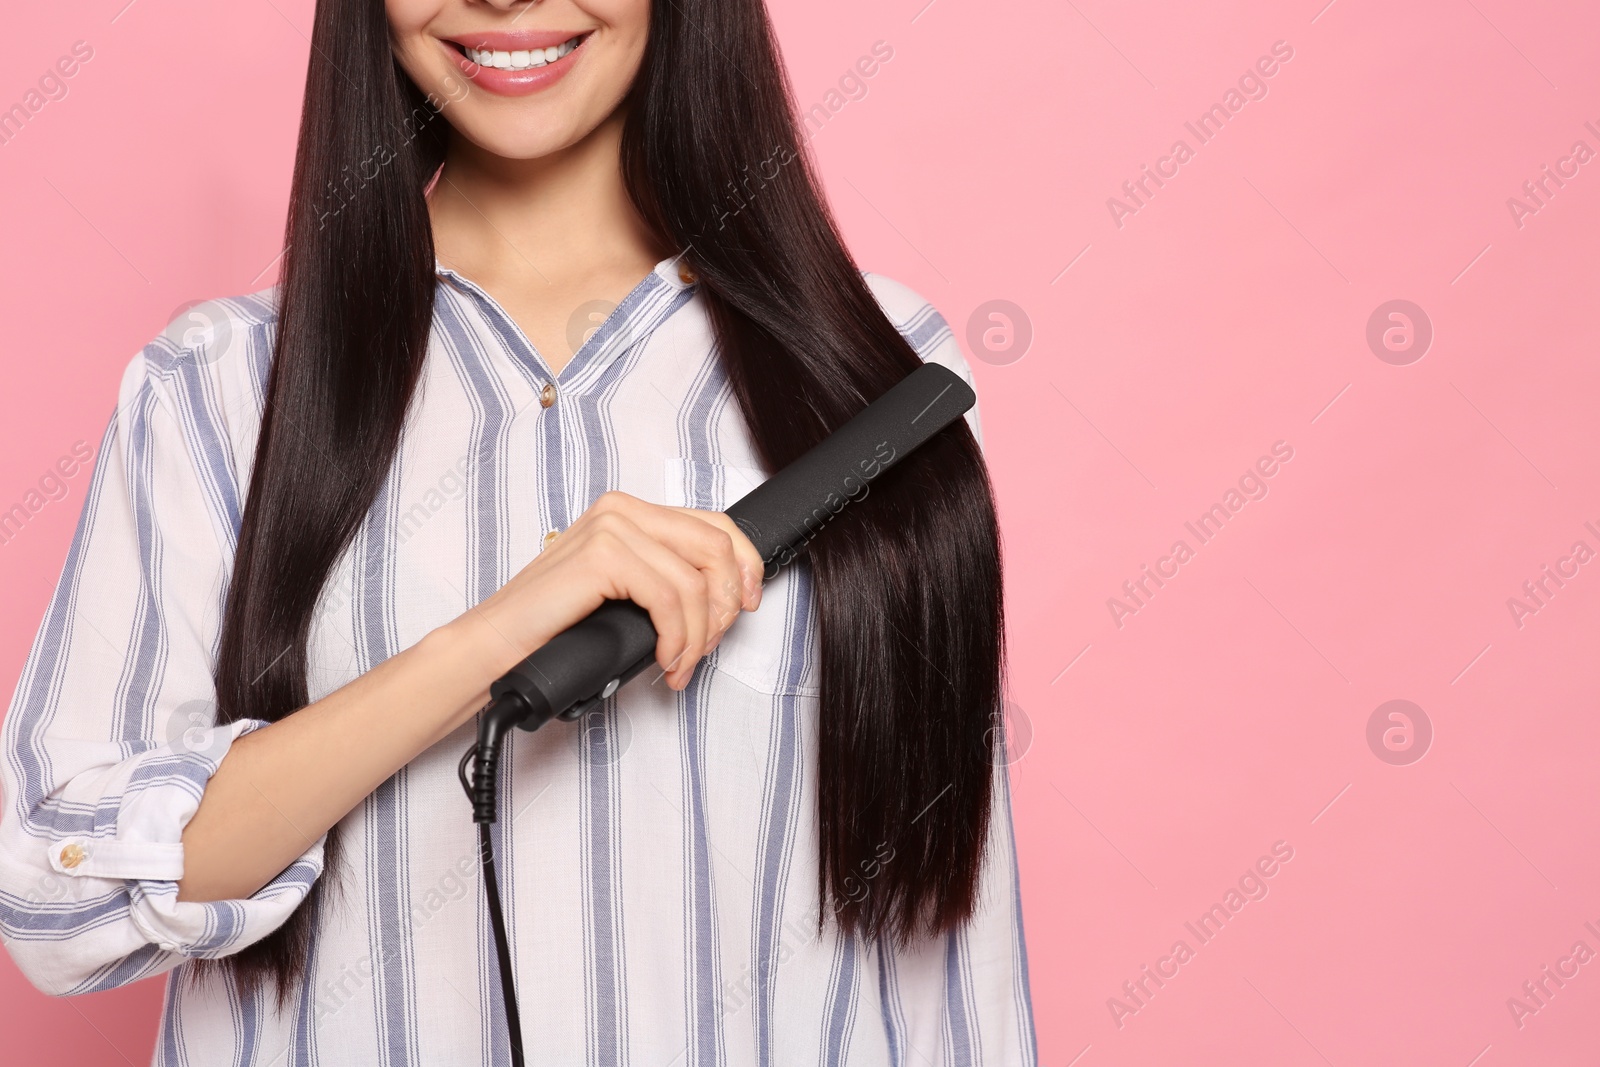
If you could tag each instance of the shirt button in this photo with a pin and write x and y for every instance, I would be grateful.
(547, 395)
(685, 274)
(72, 855)
(551, 536)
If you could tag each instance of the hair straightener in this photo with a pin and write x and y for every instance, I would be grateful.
(588, 662)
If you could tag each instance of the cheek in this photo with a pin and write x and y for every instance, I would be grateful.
(624, 16)
(414, 46)
(410, 16)
(627, 28)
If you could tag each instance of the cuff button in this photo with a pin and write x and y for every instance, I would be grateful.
(72, 855)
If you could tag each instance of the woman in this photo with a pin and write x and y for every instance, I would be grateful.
(323, 525)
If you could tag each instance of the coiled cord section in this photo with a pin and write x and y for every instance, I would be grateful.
(478, 771)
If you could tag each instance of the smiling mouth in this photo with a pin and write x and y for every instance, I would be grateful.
(523, 59)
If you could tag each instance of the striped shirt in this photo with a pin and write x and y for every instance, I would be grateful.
(658, 857)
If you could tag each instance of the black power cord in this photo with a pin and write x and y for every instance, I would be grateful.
(494, 721)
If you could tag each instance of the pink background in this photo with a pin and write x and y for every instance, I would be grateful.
(1228, 313)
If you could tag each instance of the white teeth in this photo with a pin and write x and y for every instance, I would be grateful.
(521, 60)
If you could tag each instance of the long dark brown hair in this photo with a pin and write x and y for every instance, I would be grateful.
(907, 579)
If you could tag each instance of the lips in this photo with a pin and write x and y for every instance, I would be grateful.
(513, 40)
(516, 63)
(521, 58)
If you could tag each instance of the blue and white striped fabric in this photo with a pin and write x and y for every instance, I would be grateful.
(659, 857)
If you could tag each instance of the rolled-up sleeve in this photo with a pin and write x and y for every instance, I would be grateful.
(111, 736)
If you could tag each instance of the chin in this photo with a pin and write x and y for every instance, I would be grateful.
(541, 139)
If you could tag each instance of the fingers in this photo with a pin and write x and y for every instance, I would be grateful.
(679, 656)
(695, 590)
(708, 539)
(751, 565)
(693, 571)
(621, 556)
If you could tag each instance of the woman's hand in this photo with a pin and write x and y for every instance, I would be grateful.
(693, 571)
(281, 787)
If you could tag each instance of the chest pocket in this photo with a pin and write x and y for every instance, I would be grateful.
(773, 649)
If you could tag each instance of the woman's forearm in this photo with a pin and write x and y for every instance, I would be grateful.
(281, 787)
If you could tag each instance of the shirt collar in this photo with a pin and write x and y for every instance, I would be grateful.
(657, 295)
